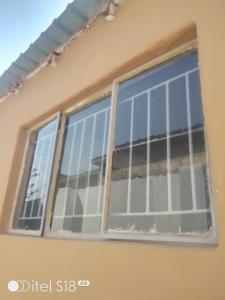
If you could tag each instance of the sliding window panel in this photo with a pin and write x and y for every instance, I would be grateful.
(30, 209)
(159, 181)
(78, 200)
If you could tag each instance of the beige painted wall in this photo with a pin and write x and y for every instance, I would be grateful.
(119, 270)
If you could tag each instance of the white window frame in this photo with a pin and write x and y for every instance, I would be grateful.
(211, 238)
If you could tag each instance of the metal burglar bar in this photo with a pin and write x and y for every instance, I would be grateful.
(46, 177)
(167, 137)
(33, 182)
(78, 202)
(168, 177)
(39, 185)
(30, 209)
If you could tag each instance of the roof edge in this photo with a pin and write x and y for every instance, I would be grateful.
(17, 73)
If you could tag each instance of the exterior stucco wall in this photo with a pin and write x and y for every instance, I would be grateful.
(119, 270)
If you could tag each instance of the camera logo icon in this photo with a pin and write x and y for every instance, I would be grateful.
(13, 286)
(18, 286)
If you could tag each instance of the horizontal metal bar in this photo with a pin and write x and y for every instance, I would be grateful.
(45, 137)
(30, 218)
(160, 139)
(159, 85)
(79, 216)
(89, 116)
(172, 212)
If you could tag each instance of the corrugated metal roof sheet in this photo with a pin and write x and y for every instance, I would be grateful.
(68, 23)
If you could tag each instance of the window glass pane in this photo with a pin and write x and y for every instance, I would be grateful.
(181, 188)
(79, 194)
(159, 180)
(200, 170)
(121, 157)
(34, 189)
(157, 164)
(138, 188)
(196, 115)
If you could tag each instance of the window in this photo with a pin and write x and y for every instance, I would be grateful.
(80, 185)
(30, 209)
(132, 165)
(159, 177)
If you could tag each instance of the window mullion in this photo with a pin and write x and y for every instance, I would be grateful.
(112, 122)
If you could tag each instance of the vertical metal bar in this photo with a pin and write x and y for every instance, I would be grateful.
(90, 163)
(69, 167)
(147, 208)
(46, 177)
(193, 187)
(78, 167)
(131, 155)
(168, 149)
(102, 163)
(110, 147)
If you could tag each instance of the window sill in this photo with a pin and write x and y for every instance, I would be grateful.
(210, 240)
